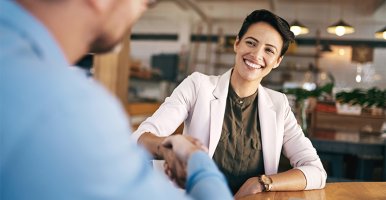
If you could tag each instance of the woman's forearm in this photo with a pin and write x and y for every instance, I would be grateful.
(291, 180)
(153, 144)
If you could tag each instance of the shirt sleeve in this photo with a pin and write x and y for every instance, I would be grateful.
(205, 181)
(173, 111)
(75, 144)
(302, 155)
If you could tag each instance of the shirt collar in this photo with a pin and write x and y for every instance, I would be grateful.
(33, 31)
(245, 100)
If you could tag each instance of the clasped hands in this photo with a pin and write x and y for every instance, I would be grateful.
(176, 151)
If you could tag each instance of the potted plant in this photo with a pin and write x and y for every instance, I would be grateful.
(352, 102)
(376, 100)
(306, 101)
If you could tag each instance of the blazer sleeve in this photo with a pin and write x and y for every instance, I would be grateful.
(299, 150)
(173, 111)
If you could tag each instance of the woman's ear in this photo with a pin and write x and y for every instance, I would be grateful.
(236, 44)
(278, 61)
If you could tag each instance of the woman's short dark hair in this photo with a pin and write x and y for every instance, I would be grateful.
(280, 24)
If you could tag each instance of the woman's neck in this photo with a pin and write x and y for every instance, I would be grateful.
(243, 88)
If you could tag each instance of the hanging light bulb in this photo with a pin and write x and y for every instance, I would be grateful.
(340, 28)
(298, 29)
(358, 77)
(381, 33)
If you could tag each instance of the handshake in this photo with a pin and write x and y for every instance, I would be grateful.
(176, 151)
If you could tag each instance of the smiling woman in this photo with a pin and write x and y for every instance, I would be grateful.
(74, 143)
(257, 53)
(244, 125)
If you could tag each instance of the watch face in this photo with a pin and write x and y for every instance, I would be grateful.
(266, 179)
(267, 182)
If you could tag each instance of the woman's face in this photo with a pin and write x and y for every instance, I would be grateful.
(257, 53)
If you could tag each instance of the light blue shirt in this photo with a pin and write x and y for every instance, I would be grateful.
(63, 136)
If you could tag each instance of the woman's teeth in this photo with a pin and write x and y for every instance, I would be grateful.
(253, 65)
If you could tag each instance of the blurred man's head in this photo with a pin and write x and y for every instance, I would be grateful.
(121, 17)
(82, 26)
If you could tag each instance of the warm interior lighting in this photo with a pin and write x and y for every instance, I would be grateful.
(298, 29)
(340, 28)
(341, 52)
(381, 33)
(358, 78)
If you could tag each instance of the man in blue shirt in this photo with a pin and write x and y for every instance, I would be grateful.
(63, 136)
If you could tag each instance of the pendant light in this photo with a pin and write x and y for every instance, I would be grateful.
(381, 33)
(298, 29)
(340, 28)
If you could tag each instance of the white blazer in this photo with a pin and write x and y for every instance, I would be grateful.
(199, 102)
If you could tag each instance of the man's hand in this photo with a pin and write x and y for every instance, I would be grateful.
(176, 151)
(174, 168)
(251, 186)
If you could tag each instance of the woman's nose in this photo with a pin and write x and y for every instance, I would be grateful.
(258, 53)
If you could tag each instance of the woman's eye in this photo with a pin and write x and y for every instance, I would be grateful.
(270, 51)
(250, 43)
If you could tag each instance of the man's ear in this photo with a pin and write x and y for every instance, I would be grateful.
(100, 6)
(278, 61)
(237, 42)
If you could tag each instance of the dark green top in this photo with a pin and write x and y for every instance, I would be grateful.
(238, 153)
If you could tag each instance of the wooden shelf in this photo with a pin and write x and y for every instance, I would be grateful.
(346, 123)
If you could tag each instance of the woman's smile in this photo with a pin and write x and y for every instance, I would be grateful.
(252, 64)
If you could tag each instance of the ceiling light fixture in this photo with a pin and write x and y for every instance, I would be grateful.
(381, 33)
(340, 28)
(298, 29)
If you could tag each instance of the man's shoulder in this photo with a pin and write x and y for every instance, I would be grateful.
(57, 92)
(13, 45)
(27, 78)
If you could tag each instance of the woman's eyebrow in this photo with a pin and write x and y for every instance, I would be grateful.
(256, 40)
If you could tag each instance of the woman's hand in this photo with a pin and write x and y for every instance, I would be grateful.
(251, 186)
(176, 151)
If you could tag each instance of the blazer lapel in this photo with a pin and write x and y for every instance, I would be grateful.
(268, 127)
(217, 110)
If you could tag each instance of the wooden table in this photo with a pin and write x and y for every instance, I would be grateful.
(332, 191)
(335, 145)
(336, 136)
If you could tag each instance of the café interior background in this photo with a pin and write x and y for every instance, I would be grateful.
(200, 32)
(334, 77)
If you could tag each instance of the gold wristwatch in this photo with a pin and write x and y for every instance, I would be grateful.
(266, 182)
